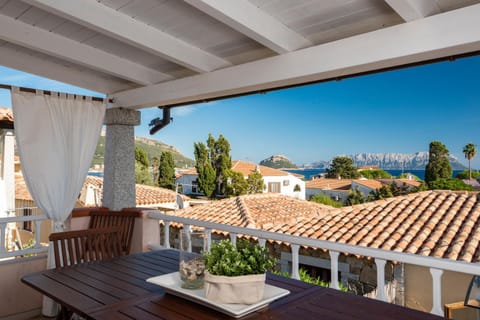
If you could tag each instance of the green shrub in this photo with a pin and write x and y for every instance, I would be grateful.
(465, 175)
(449, 184)
(226, 259)
(322, 198)
(305, 277)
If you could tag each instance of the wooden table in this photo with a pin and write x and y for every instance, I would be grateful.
(117, 289)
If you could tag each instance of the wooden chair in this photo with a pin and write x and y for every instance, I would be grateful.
(123, 219)
(79, 246)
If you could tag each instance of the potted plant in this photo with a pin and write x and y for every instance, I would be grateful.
(236, 273)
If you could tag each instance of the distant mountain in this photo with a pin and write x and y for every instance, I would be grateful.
(278, 162)
(395, 161)
(153, 148)
(406, 161)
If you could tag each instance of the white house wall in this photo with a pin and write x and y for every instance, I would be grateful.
(186, 181)
(362, 188)
(287, 187)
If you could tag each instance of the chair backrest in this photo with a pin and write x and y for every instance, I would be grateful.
(78, 246)
(123, 219)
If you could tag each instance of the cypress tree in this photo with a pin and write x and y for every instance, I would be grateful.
(166, 171)
(438, 166)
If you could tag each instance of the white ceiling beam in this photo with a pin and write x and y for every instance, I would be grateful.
(411, 10)
(254, 23)
(451, 33)
(105, 20)
(34, 38)
(20, 60)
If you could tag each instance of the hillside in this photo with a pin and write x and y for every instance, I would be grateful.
(153, 148)
(278, 162)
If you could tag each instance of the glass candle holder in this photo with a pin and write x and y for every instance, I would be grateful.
(192, 264)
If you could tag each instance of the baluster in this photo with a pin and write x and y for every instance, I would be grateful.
(38, 227)
(208, 233)
(233, 238)
(381, 279)
(166, 233)
(3, 234)
(437, 291)
(262, 242)
(295, 261)
(334, 269)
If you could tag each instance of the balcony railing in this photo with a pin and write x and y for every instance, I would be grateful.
(436, 265)
(10, 225)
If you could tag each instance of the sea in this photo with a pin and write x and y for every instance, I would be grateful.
(308, 173)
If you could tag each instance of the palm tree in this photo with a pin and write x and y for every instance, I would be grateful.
(470, 150)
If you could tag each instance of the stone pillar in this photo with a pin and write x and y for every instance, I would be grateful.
(119, 172)
(8, 166)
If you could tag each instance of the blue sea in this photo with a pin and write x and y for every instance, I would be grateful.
(308, 173)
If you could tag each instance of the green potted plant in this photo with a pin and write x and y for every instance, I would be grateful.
(236, 273)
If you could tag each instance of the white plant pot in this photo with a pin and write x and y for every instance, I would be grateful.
(241, 289)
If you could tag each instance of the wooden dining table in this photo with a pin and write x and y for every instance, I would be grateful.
(117, 289)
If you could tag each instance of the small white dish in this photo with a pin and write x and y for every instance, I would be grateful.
(172, 284)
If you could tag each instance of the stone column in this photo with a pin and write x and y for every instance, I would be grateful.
(7, 172)
(119, 171)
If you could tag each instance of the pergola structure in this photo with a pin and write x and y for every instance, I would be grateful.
(148, 53)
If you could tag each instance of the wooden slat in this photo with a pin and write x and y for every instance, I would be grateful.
(86, 245)
(76, 301)
(123, 219)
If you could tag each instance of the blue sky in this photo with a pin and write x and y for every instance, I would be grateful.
(396, 111)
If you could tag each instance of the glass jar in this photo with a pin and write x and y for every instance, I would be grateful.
(192, 264)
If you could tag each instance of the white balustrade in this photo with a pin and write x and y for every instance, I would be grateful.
(36, 249)
(436, 265)
(334, 267)
(381, 279)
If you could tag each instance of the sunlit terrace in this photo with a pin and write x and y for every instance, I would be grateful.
(152, 53)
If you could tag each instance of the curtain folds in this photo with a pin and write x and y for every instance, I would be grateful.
(56, 138)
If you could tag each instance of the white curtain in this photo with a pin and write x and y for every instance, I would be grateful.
(56, 139)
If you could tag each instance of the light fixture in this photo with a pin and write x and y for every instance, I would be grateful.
(472, 299)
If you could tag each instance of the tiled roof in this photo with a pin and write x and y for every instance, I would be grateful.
(261, 211)
(246, 168)
(329, 184)
(372, 184)
(399, 182)
(6, 114)
(145, 195)
(444, 224)
(21, 190)
(191, 171)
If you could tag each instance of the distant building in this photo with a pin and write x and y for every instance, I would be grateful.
(187, 182)
(275, 181)
(337, 189)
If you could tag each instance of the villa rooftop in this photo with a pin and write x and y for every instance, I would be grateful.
(329, 184)
(442, 224)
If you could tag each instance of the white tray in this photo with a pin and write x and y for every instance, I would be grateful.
(171, 283)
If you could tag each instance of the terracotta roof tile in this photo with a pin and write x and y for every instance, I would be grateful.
(145, 195)
(329, 184)
(444, 224)
(373, 184)
(6, 114)
(246, 168)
